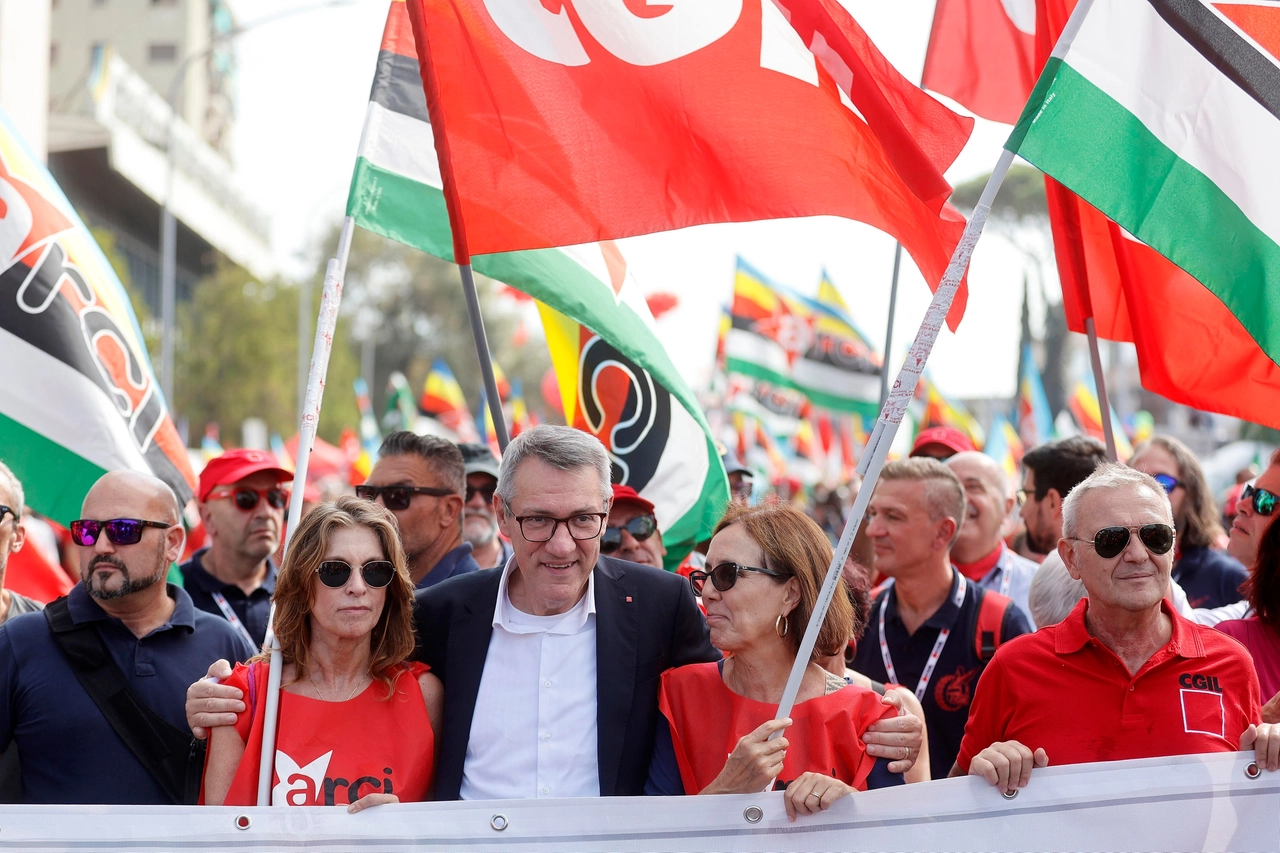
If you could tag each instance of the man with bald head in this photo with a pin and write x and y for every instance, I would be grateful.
(980, 553)
(120, 630)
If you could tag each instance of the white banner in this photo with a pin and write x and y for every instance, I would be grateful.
(1186, 803)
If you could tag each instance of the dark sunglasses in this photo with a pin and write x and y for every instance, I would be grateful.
(725, 575)
(120, 531)
(9, 510)
(485, 492)
(1110, 541)
(1166, 482)
(396, 498)
(376, 573)
(1264, 502)
(246, 498)
(641, 528)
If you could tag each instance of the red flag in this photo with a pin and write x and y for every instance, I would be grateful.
(982, 54)
(565, 123)
(1191, 348)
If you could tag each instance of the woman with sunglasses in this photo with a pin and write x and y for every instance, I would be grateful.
(357, 720)
(767, 565)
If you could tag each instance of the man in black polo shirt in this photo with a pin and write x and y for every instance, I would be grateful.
(242, 499)
(921, 630)
(153, 634)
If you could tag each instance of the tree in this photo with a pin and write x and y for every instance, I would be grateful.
(236, 357)
(411, 305)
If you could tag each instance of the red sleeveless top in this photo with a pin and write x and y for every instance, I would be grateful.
(333, 753)
(707, 719)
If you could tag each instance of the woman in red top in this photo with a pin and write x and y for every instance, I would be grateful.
(766, 567)
(1260, 633)
(357, 721)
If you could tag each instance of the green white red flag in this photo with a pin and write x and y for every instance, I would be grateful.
(1186, 266)
(77, 395)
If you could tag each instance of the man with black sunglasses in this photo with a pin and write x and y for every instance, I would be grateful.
(421, 479)
(242, 500)
(479, 524)
(91, 690)
(1139, 680)
(632, 530)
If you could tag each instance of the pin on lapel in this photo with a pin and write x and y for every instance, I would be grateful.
(628, 599)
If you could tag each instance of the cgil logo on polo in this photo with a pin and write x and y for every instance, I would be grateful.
(1200, 682)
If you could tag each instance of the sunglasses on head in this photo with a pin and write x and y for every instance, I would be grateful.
(1110, 541)
(725, 575)
(485, 492)
(1264, 502)
(396, 498)
(641, 528)
(120, 531)
(246, 498)
(376, 573)
(1168, 483)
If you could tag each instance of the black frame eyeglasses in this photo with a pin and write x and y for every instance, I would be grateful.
(725, 575)
(336, 573)
(1264, 502)
(1111, 541)
(641, 528)
(583, 527)
(120, 531)
(397, 498)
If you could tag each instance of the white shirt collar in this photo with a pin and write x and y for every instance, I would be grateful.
(506, 615)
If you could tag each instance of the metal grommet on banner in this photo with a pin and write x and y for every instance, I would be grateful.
(498, 822)
(753, 814)
(243, 821)
(1009, 795)
(1253, 771)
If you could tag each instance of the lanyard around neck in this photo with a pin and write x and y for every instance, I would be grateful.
(929, 666)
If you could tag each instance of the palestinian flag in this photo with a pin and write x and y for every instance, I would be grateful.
(808, 345)
(1164, 115)
(617, 385)
(78, 397)
(667, 451)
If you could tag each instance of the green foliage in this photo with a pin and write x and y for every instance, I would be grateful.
(236, 358)
(1257, 432)
(412, 305)
(1021, 197)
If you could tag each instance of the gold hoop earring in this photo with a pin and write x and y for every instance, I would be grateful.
(782, 625)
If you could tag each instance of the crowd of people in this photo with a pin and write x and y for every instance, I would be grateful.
(468, 628)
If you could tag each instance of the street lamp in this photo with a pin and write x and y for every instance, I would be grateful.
(168, 225)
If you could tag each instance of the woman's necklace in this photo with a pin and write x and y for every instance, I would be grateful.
(311, 676)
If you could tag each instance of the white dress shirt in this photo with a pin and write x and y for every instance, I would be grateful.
(533, 733)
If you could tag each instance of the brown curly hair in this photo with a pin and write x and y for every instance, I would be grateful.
(392, 639)
(793, 543)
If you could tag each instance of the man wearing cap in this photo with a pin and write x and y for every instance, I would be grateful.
(741, 478)
(632, 530)
(243, 498)
(479, 524)
(941, 442)
(421, 479)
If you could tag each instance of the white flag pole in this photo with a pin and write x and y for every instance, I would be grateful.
(330, 300)
(891, 414)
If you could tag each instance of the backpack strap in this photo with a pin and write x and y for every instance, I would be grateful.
(988, 628)
(172, 757)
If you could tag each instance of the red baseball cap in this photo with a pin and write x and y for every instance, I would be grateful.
(628, 495)
(234, 465)
(949, 437)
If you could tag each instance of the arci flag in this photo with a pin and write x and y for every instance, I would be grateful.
(796, 342)
(77, 397)
(396, 192)
(1165, 116)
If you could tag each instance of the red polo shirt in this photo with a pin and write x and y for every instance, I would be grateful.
(1064, 691)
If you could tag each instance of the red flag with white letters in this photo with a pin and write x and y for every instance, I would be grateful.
(982, 54)
(560, 122)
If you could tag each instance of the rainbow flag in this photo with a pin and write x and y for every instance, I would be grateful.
(809, 345)
(939, 411)
(443, 400)
(1004, 446)
(78, 396)
(1035, 419)
(1087, 412)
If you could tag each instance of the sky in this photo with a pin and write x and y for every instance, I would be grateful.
(302, 92)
